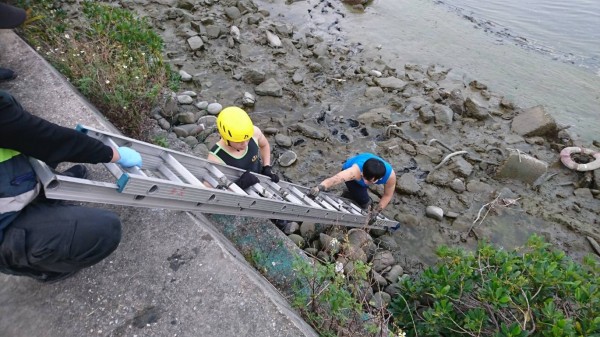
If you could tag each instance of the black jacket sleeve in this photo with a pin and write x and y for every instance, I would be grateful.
(51, 143)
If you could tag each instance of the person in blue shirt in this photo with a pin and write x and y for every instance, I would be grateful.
(358, 173)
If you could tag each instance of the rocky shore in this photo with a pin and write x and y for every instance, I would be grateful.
(470, 164)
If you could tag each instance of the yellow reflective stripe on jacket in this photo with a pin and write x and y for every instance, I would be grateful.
(6, 154)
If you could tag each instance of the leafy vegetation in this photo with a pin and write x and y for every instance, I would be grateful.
(112, 57)
(533, 291)
(335, 304)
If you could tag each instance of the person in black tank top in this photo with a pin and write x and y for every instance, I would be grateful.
(244, 146)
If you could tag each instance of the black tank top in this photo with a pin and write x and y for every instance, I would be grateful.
(249, 161)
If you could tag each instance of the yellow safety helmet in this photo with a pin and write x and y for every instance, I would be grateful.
(235, 125)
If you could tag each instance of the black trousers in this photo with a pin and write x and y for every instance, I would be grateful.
(358, 193)
(47, 237)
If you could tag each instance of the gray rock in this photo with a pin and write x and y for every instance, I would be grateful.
(376, 116)
(392, 83)
(583, 193)
(184, 99)
(308, 131)
(191, 141)
(477, 186)
(185, 77)
(164, 124)
(298, 77)
(407, 184)
(382, 260)
(213, 31)
(330, 244)
(187, 117)
(378, 279)
(308, 230)
(214, 108)
(380, 300)
(297, 239)
(359, 238)
(475, 110)
(434, 212)
(274, 40)
(283, 140)
(443, 114)
(461, 167)
(254, 76)
(387, 242)
(374, 92)
(248, 99)
(354, 253)
(201, 105)
(189, 93)
(291, 227)
(269, 87)
(457, 185)
(195, 43)
(270, 131)
(534, 121)
(287, 158)
(394, 274)
(233, 13)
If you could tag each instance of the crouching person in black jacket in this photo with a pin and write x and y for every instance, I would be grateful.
(39, 238)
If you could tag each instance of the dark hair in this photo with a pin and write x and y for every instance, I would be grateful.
(373, 169)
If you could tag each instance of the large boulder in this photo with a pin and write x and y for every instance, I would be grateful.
(534, 122)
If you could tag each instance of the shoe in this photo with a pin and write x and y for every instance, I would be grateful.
(76, 171)
(7, 74)
(50, 277)
(280, 223)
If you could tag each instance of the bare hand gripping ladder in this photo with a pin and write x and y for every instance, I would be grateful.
(174, 180)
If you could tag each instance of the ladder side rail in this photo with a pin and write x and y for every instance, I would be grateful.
(105, 193)
(69, 188)
(142, 187)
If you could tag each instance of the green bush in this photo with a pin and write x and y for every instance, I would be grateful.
(112, 57)
(533, 291)
(335, 304)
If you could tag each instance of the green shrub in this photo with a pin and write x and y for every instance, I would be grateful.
(334, 304)
(112, 57)
(533, 291)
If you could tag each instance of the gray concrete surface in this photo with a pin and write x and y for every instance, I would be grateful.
(172, 275)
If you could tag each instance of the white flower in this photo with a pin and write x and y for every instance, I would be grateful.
(107, 82)
(67, 36)
(124, 66)
(339, 267)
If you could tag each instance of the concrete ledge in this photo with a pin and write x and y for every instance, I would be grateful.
(172, 275)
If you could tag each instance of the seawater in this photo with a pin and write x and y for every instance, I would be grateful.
(513, 56)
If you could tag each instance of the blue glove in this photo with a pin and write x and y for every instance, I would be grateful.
(129, 157)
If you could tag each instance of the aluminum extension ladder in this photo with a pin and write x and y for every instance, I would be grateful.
(175, 180)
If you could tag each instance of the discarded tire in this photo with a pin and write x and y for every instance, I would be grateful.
(567, 160)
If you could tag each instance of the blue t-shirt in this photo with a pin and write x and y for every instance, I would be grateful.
(360, 160)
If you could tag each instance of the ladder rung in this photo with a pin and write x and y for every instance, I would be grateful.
(167, 173)
(284, 193)
(183, 172)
